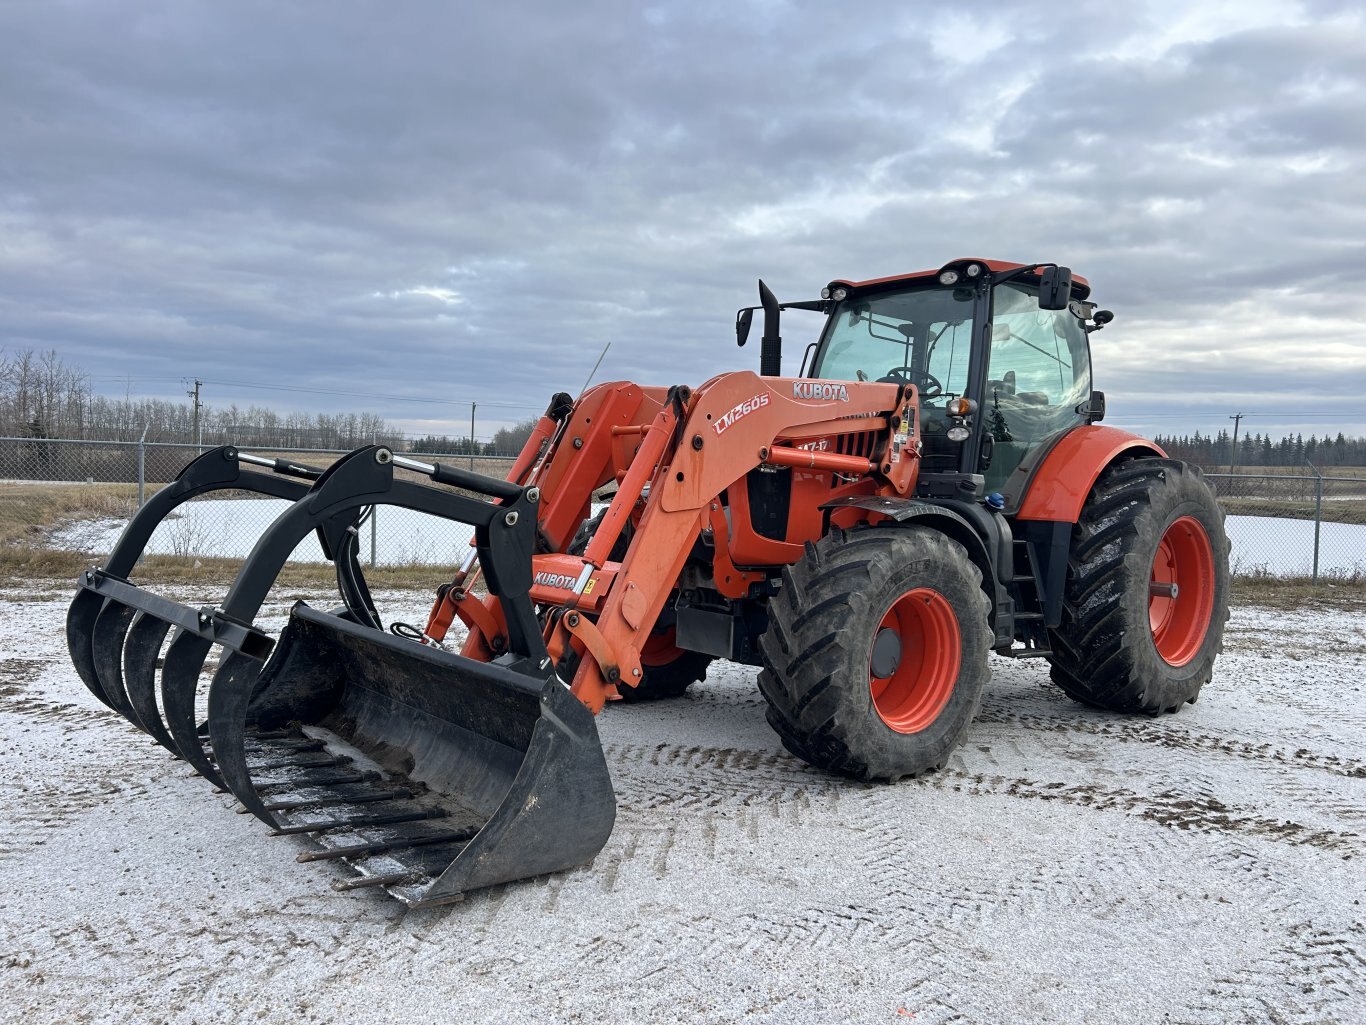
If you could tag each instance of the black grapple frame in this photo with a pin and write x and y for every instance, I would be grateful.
(426, 772)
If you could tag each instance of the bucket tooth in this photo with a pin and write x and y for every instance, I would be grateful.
(361, 821)
(141, 648)
(322, 761)
(323, 799)
(396, 843)
(333, 780)
(388, 879)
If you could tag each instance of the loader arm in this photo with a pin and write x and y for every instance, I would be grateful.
(699, 445)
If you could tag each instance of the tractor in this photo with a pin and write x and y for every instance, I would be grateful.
(935, 485)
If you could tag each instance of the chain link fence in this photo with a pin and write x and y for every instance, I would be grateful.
(87, 490)
(1308, 525)
(1302, 525)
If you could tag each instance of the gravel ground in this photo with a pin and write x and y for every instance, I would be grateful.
(1067, 866)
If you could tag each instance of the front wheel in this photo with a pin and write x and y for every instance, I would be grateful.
(1147, 590)
(667, 670)
(876, 652)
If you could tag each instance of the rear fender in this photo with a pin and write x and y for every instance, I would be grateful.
(1056, 486)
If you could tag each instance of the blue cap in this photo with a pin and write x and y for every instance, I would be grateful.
(996, 500)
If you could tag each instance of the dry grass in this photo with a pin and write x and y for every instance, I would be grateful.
(28, 511)
(25, 563)
(1300, 592)
(1333, 512)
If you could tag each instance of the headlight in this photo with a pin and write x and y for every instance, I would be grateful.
(948, 277)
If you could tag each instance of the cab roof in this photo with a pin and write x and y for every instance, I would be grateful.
(1081, 288)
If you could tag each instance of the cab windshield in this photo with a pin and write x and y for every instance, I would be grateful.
(1038, 369)
(919, 337)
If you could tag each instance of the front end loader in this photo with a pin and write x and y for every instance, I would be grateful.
(931, 488)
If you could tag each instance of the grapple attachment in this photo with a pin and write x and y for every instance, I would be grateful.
(427, 773)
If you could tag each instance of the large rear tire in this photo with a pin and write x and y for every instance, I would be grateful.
(876, 652)
(1127, 643)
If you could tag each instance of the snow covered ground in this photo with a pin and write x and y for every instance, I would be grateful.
(1068, 866)
(228, 528)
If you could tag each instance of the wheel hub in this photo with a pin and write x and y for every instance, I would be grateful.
(886, 653)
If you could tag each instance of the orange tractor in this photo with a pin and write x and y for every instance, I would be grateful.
(931, 488)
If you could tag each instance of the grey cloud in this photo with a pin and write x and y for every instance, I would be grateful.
(244, 191)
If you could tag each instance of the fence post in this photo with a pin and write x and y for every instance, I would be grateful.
(142, 465)
(1318, 516)
(374, 509)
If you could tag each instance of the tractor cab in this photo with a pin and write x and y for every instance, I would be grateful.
(973, 330)
(998, 352)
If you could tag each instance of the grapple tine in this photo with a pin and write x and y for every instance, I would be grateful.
(229, 695)
(80, 629)
(140, 650)
(179, 679)
(106, 647)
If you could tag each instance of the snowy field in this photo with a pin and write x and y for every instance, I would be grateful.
(228, 528)
(1068, 866)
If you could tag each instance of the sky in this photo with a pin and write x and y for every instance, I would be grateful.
(406, 208)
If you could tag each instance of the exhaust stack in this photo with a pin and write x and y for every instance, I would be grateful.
(771, 345)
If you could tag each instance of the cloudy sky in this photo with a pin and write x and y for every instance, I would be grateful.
(424, 205)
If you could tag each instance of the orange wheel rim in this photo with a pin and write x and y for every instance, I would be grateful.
(1181, 591)
(660, 648)
(914, 663)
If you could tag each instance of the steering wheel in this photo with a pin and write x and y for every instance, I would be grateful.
(929, 385)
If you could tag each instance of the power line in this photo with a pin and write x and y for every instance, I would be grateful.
(347, 394)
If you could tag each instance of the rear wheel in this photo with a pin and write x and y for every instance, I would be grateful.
(1147, 590)
(876, 652)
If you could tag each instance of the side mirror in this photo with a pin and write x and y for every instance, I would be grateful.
(1055, 288)
(1095, 409)
(743, 319)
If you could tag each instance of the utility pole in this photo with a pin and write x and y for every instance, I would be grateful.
(197, 404)
(473, 407)
(1233, 456)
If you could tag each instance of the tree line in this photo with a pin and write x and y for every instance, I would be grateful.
(43, 396)
(1215, 451)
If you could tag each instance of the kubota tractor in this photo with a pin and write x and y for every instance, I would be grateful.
(933, 486)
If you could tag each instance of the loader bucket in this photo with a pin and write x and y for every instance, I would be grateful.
(426, 773)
